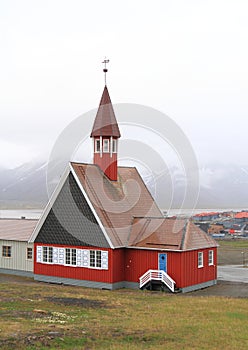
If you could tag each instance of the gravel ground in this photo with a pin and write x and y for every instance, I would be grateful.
(222, 288)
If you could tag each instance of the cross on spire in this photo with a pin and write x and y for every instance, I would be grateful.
(105, 69)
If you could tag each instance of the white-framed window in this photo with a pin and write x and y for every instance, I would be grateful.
(114, 146)
(47, 254)
(99, 259)
(70, 256)
(29, 253)
(95, 258)
(106, 145)
(210, 257)
(6, 251)
(200, 259)
(97, 146)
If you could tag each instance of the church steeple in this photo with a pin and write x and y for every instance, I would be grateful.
(105, 133)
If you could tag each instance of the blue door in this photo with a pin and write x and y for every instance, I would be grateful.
(162, 262)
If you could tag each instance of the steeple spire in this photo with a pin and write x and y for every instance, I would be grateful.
(105, 133)
(105, 123)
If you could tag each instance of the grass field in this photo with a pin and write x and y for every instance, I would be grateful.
(233, 252)
(233, 243)
(42, 316)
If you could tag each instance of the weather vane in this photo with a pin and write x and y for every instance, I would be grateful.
(105, 69)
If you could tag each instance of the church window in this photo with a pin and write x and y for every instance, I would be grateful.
(70, 256)
(48, 254)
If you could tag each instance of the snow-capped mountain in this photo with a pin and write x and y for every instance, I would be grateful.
(221, 186)
(24, 186)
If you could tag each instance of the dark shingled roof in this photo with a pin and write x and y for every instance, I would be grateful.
(71, 221)
(105, 122)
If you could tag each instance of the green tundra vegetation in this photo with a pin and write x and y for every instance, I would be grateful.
(44, 316)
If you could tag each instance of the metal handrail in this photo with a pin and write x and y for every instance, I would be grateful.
(157, 275)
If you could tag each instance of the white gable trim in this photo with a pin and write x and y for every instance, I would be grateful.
(91, 207)
(49, 205)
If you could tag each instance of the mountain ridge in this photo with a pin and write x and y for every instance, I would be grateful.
(220, 186)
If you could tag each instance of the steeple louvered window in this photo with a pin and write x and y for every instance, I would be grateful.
(106, 146)
(114, 145)
(97, 145)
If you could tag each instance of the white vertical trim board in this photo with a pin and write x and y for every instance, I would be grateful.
(39, 254)
(61, 256)
(104, 259)
(101, 146)
(111, 146)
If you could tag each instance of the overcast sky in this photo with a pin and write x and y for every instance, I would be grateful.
(188, 59)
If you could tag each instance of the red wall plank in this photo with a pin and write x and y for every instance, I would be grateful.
(117, 265)
(107, 163)
(138, 261)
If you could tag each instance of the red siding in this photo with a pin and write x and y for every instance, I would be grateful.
(81, 273)
(138, 261)
(130, 264)
(181, 266)
(192, 274)
(174, 266)
(107, 163)
(117, 265)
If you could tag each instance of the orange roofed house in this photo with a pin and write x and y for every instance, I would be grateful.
(103, 229)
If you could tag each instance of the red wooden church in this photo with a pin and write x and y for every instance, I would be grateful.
(103, 229)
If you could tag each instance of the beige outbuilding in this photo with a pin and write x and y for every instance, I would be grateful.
(16, 253)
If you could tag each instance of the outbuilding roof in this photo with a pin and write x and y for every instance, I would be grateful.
(17, 229)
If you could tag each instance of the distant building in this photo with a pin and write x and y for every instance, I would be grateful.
(215, 229)
(241, 218)
(206, 216)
